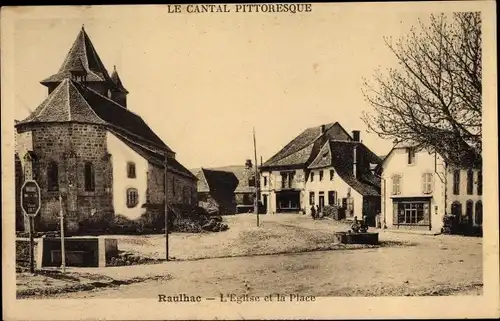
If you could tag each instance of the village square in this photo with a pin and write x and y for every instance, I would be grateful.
(324, 214)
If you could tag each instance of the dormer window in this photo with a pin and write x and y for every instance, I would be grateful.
(109, 93)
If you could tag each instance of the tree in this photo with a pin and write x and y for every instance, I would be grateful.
(433, 99)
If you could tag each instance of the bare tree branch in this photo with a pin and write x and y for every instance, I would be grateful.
(434, 98)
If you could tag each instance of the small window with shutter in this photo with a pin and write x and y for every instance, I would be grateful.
(396, 185)
(427, 183)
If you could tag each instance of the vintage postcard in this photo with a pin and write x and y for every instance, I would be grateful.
(250, 161)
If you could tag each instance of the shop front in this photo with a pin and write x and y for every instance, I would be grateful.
(288, 201)
(412, 212)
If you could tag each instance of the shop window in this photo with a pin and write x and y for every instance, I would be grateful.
(412, 213)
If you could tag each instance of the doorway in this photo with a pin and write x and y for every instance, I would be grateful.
(321, 201)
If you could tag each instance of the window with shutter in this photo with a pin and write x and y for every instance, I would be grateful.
(396, 185)
(427, 183)
(470, 182)
(456, 182)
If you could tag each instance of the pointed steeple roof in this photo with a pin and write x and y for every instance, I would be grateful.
(72, 101)
(81, 55)
(117, 81)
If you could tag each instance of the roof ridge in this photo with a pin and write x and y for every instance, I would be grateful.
(111, 100)
(72, 83)
(136, 143)
(68, 102)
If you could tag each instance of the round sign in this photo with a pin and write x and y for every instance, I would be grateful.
(30, 198)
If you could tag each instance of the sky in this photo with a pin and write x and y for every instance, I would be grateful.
(203, 81)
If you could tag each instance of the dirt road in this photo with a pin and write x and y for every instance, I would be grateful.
(431, 266)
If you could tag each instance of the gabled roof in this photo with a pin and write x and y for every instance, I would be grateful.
(82, 53)
(72, 101)
(210, 180)
(243, 174)
(303, 147)
(117, 81)
(340, 155)
(157, 159)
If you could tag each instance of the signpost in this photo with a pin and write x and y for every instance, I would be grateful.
(30, 204)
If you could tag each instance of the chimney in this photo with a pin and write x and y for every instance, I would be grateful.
(355, 135)
(322, 129)
(248, 164)
(355, 161)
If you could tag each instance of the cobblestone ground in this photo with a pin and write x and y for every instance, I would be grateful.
(407, 264)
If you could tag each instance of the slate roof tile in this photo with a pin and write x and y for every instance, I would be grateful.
(301, 149)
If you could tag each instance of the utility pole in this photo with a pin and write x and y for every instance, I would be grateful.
(166, 205)
(257, 181)
(63, 248)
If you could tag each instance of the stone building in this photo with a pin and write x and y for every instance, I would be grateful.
(321, 167)
(233, 186)
(83, 143)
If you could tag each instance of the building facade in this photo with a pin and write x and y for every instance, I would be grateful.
(420, 186)
(321, 167)
(341, 175)
(230, 185)
(82, 143)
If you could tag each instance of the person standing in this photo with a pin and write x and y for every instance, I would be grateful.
(313, 212)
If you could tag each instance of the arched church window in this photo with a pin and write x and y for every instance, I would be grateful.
(89, 177)
(52, 176)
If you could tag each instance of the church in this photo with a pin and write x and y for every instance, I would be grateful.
(82, 143)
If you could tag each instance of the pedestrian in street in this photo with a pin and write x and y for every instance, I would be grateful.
(313, 212)
(318, 211)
